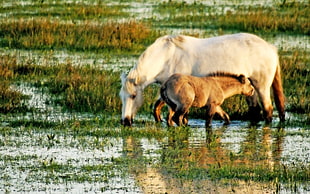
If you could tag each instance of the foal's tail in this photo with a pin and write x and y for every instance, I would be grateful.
(278, 93)
(164, 97)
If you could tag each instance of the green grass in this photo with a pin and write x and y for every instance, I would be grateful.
(49, 34)
(66, 11)
(288, 18)
(84, 88)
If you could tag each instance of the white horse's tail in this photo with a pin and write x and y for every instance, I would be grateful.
(278, 93)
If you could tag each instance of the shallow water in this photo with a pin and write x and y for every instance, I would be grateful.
(31, 149)
(28, 149)
(24, 151)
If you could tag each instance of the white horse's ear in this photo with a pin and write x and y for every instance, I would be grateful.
(123, 77)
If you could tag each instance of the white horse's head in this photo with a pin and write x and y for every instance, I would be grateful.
(151, 64)
(131, 96)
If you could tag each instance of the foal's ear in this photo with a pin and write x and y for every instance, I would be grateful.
(241, 78)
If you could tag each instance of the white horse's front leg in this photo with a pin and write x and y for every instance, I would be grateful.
(264, 95)
(254, 113)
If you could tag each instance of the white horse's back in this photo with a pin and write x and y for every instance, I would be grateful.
(238, 53)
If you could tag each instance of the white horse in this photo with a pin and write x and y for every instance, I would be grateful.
(241, 53)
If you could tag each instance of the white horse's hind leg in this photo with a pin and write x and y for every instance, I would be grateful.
(266, 103)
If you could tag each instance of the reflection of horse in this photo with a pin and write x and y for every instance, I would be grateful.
(181, 92)
(241, 53)
(183, 153)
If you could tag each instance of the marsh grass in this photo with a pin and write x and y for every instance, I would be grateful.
(89, 88)
(296, 80)
(48, 34)
(10, 99)
(289, 18)
(66, 11)
(258, 173)
(85, 88)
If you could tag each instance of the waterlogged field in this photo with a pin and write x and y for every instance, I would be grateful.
(60, 112)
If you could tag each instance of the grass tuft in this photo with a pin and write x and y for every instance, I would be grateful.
(49, 34)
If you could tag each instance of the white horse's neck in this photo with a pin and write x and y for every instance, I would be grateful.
(152, 65)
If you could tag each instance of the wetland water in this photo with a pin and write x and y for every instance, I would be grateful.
(51, 160)
(41, 153)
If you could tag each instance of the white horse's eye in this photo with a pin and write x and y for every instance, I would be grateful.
(133, 96)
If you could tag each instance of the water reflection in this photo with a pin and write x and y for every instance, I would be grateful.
(187, 148)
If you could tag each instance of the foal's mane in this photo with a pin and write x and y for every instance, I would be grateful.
(225, 74)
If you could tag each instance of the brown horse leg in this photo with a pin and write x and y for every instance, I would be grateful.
(179, 115)
(159, 104)
(185, 119)
(223, 115)
(210, 113)
(176, 118)
(170, 122)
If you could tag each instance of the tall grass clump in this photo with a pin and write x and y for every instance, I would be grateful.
(10, 99)
(292, 18)
(48, 34)
(66, 10)
(296, 81)
(268, 19)
(85, 88)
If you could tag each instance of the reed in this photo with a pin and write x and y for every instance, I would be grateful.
(10, 99)
(85, 88)
(296, 73)
(285, 17)
(66, 10)
(48, 34)
(89, 88)
(267, 20)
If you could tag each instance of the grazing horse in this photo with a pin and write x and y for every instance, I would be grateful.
(241, 53)
(181, 92)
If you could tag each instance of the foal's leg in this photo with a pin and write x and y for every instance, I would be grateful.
(211, 110)
(223, 115)
(179, 116)
(185, 119)
(169, 117)
(159, 104)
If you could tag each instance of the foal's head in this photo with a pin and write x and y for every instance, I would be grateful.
(247, 87)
